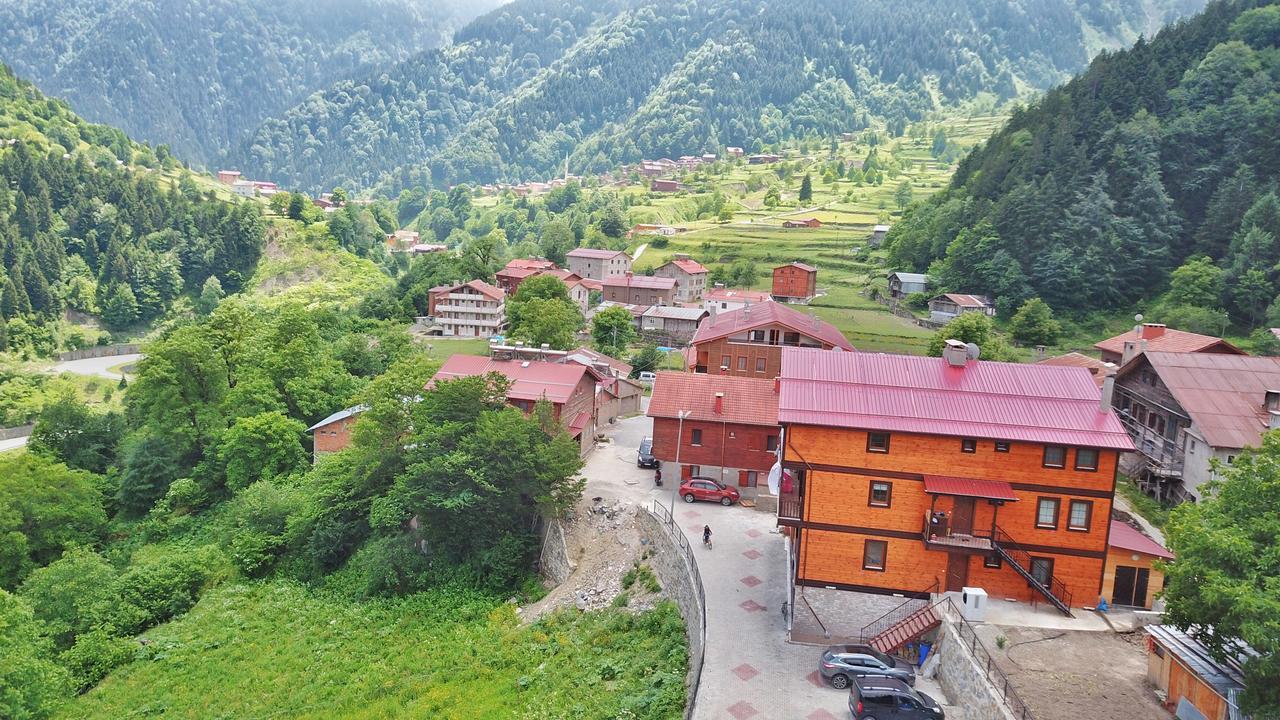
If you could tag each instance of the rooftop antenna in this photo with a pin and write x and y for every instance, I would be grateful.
(1137, 329)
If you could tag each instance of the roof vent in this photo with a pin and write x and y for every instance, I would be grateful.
(524, 364)
(719, 403)
(956, 353)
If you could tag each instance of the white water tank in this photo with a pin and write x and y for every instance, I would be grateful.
(973, 604)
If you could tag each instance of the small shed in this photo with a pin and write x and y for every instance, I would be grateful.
(877, 235)
(1129, 577)
(902, 284)
(1195, 684)
(945, 308)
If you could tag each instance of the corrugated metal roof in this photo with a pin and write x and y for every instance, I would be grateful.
(1171, 341)
(907, 277)
(802, 266)
(594, 253)
(968, 487)
(1223, 394)
(340, 415)
(731, 295)
(903, 393)
(1126, 537)
(1075, 359)
(744, 319)
(579, 423)
(646, 282)
(976, 301)
(675, 313)
(1222, 677)
(747, 401)
(530, 379)
(693, 267)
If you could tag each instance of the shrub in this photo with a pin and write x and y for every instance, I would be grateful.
(94, 656)
(390, 565)
(157, 590)
(918, 301)
(31, 684)
(64, 593)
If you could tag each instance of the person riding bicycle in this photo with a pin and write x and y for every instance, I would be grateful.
(706, 534)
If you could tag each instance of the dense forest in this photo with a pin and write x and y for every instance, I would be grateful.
(1154, 172)
(82, 227)
(198, 75)
(539, 80)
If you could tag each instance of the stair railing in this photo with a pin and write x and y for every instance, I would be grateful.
(908, 608)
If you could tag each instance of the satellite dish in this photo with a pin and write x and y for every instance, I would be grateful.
(974, 352)
(1138, 318)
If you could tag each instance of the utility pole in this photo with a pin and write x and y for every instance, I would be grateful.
(681, 415)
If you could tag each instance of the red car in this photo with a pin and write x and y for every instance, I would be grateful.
(704, 488)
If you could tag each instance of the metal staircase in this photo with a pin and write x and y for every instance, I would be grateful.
(905, 623)
(1017, 558)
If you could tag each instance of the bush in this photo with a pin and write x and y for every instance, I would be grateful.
(94, 656)
(64, 593)
(254, 552)
(917, 301)
(31, 685)
(154, 591)
(660, 242)
(390, 565)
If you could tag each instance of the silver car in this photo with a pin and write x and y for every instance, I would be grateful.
(841, 663)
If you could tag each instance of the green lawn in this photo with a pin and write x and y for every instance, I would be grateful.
(278, 650)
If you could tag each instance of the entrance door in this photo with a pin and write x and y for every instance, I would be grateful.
(962, 516)
(957, 571)
(1131, 586)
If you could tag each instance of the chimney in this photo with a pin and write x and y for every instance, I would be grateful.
(777, 385)
(1039, 353)
(1108, 388)
(956, 353)
(1151, 331)
(1130, 351)
(719, 403)
(1273, 420)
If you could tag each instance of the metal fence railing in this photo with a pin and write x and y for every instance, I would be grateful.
(982, 659)
(665, 519)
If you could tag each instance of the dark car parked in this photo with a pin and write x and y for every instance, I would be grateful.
(644, 456)
(842, 663)
(882, 698)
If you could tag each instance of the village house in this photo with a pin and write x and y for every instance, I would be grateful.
(427, 248)
(763, 159)
(651, 229)
(947, 307)
(1131, 578)
(674, 326)
(734, 152)
(666, 186)
(749, 341)
(472, 309)
(729, 432)
(618, 396)
(228, 177)
(402, 240)
(902, 284)
(802, 223)
(593, 264)
(1193, 681)
(639, 289)
(334, 432)
(919, 475)
(721, 299)
(1184, 410)
(1156, 337)
(515, 271)
(1096, 367)
(878, 234)
(689, 274)
(795, 281)
(569, 387)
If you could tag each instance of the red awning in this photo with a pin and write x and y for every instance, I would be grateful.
(967, 487)
(579, 423)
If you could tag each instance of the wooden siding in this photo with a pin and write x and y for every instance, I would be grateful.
(1177, 681)
(791, 281)
(710, 354)
(1117, 557)
(838, 518)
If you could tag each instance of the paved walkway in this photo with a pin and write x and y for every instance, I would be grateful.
(14, 443)
(750, 671)
(96, 366)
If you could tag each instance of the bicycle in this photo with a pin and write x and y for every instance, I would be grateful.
(706, 536)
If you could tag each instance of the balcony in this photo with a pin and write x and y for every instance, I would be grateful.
(789, 508)
(936, 538)
(485, 308)
(1164, 456)
(471, 322)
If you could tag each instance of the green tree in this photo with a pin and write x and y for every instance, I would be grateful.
(34, 685)
(64, 593)
(806, 189)
(974, 328)
(557, 240)
(647, 359)
(726, 213)
(298, 204)
(120, 308)
(45, 508)
(210, 295)
(1224, 582)
(1197, 282)
(545, 321)
(902, 196)
(939, 143)
(1034, 324)
(612, 330)
(69, 432)
(261, 447)
(339, 196)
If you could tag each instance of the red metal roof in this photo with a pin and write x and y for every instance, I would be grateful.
(693, 267)
(1125, 537)
(594, 253)
(530, 264)
(1223, 394)
(530, 379)
(1170, 341)
(579, 423)
(802, 266)
(968, 487)
(903, 393)
(731, 295)
(974, 301)
(747, 401)
(1075, 359)
(646, 282)
(744, 319)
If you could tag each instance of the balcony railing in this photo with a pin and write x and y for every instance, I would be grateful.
(975, 541)
(1165, 456)
(487, 309)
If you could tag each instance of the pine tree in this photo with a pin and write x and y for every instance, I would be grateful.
(806, 188)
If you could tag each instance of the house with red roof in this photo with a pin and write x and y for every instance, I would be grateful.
(920, 475)
(749, 342)
(721, 299)
(1184, 410)
(811, 222)
(471, 309)
(948, 306)
(570, 387)
(689, 274)
(509, 277)
(596, 264)
(1159, 338)
(729, 431)
(1131, 578)
(795, 281)
(645, 290)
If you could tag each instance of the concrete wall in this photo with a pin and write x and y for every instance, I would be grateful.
(10, 433)
(554, 561)
(98, 351)
(963, 680)
(681, 582)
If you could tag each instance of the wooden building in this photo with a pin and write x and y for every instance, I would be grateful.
(795, 281)
(749, 341)
(917, 475)
(902, 284)
(1131, 578)
(1191, 678)
(802, 223)
(1156, 337)
(730, 432)
(947, 307)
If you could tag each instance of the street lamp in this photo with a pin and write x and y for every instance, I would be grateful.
(675, 481)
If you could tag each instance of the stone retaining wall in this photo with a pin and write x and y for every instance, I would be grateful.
(681, 582)
(10, 433)
(554, 561)
(962, 680)
(98, 351)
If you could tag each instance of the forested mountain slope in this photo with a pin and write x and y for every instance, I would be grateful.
(200, 74)
(1157, 156)
(93, 222)
(537, 80)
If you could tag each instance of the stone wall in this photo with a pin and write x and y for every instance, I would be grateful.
(98, 351)
(679, 576)
(963, 680)
(554, 561)
(10, 433)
